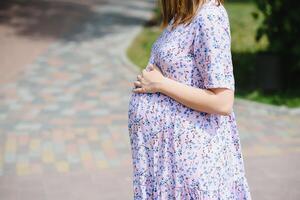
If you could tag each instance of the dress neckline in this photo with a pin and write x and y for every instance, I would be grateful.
(207, 2)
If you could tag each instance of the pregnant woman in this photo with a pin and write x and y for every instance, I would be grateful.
(184, 139)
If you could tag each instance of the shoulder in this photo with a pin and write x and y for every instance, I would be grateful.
(211, 13)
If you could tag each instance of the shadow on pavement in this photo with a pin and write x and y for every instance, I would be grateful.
(52, 19)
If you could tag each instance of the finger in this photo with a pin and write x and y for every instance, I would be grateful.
(151, 67)
(139, 77)
(137, 84)
(138, 90)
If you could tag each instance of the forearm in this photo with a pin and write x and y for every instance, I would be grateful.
(196, 98)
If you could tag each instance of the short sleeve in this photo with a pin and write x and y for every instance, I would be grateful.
(212, 48)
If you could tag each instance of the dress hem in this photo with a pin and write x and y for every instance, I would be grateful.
(239, 190)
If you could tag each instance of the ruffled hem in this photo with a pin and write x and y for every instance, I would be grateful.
(239, 190)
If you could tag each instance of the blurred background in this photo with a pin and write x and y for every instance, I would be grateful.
(66, 72)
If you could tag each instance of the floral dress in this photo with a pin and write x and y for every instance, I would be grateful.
(179, 153)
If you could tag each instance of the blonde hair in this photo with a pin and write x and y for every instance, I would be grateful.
(182, 11)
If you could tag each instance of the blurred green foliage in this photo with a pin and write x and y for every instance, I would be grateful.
(281, 25)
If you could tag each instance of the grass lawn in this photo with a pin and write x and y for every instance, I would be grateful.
(243, 29)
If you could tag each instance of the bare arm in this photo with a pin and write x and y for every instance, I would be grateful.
(214, 101)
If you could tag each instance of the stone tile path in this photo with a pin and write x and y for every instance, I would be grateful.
(27, 28)
(271, 147)
(63, 124)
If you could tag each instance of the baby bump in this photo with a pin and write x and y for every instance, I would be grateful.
(150, 129)
(141, 108)
(149, 111)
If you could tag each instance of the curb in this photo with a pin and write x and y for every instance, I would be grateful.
(272, 109)
(127, 62)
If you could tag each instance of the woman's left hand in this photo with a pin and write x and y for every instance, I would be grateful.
(149, 81)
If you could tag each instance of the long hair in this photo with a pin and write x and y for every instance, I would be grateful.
(182, 11)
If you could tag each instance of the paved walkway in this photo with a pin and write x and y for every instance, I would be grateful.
(63, 124)
(271, 148)
(33, 25)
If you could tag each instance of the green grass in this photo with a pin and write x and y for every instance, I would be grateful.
(243, 29)
(290, 99)
(139, 50)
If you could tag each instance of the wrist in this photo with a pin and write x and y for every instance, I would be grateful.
(160, 87)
